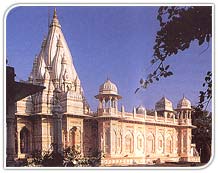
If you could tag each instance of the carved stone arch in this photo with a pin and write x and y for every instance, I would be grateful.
(107, 141)
(75, 137)
(115, 142)
(150, 143)
(24, 140)
(169, 143)
(119, 141)
(129, 143)
(140, 141)
(160, 143)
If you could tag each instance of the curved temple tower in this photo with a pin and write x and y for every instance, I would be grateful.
(60, 114)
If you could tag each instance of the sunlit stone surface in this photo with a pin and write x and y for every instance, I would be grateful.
(126, 138)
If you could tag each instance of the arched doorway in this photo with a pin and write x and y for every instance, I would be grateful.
(75, 138)
(24, 140)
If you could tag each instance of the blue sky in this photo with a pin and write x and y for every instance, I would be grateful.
(114, 42)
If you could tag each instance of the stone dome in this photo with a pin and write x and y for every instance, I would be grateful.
(108, 87)
(140, 110)
(164, 105)
(184, 103)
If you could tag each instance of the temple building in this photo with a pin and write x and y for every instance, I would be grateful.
(60, 114)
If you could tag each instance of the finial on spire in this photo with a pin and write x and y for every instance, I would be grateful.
(55, 13)
(55, 21)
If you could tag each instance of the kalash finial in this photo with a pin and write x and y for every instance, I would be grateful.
(55, 13)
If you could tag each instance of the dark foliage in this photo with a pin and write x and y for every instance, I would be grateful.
(71, 157)
(179, 27)
(206, 95)
(202, 135)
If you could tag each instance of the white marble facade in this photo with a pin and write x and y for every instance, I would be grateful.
(125, 138)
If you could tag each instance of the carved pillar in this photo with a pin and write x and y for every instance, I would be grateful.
(165, 116)
(18, 142)
(115, 103)
(10, 120)
(164, 141)
(155, 115)
(67, 139)
(190, 113)
(174, 118)
(103, 103)
(134, 112)
(57, 120)
(122, 111)
(181, 115)
(10, 141)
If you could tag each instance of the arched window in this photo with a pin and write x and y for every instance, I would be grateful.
(160, 143)
(119, 142)
(107, 141)
(140, 142)
(129, 143)
(24, 140)
(115, 142)
(150, 143)
(169, 144)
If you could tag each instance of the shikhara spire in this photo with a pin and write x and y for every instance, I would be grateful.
(53, 66)
(53, 54)
(60, 115)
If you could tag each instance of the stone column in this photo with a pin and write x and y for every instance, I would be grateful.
(165, 116)
(155, 115)
(10, 120)
(174, 118)
(115, 103)
(122, 111)
(134, 112)
(181, 115)
(57, 120)
(164, 141)
(103, 103)
(18, 142)
(189, 114)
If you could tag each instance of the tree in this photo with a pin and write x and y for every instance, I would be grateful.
(71, 157)
(179, 27)
(202, 135)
